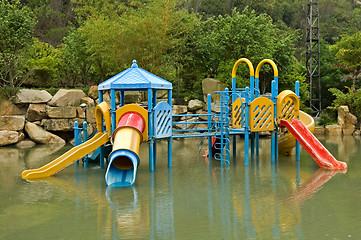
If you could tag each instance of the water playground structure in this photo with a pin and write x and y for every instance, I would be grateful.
(239, 111)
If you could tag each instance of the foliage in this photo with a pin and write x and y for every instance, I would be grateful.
(45, 61)
(349, 56)
(54, 19)
(217, 43)
(352, 99)
(327, 117)
(154, 35)
(77, 67)
(16, 27)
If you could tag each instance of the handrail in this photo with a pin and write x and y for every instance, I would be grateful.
(245, 60)
(274, 66)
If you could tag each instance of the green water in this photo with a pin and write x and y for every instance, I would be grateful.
(193, 200)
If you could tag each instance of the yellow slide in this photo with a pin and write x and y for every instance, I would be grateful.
(74, 154)
(287, 142)
(67, 158)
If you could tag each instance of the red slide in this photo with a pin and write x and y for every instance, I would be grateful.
(309, 142)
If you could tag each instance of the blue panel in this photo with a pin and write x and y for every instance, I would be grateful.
(162, 120)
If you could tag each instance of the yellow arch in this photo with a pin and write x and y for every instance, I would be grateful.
(288, 106)
(102, 110)
(245, 60)
(274, 66)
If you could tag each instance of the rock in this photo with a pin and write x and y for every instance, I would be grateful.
(65, 98)
(90, 115)
(346, 120)
(215, 107)
(348, 131)
(133, 97)
(351, 118)
(8, 137)
(179, 109)
(61, 112)
(319, 131)
(195, 105)
(209, 86)
(8, 108)
(21, 136)
(32, 96)
(60, 124)
(36, 112)
(80, 112)
(106, 98)
(40, 135)
(93, 92)
(25, 144)
(13, 123)
(37, 123)
(162, 94)
(333, 130)
(88, 101)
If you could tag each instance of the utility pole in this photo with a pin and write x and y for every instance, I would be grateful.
(313, 56)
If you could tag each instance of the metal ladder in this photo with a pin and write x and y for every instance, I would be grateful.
(222, 128)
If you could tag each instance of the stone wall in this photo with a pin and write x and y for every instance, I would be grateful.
(35, 116)
(346, 124)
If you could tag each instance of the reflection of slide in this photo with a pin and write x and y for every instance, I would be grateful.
(127, 137)
(314, 183)
(67, 158)
(287, 142)
(311, 144)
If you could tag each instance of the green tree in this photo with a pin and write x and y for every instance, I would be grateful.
(44, 60)
(154, 35)
(16, 27)
(349, 57)
(77, 67)
(217, 43)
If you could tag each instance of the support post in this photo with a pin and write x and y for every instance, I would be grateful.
(112, 109)
(209, 125)
(246, 129)
(85, 138)
(122, 101)
(77, 139)
(170, 138)
(297, 91)
(154, 127)
(150, 130)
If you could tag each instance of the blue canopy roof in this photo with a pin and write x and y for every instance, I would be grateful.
(135, 78)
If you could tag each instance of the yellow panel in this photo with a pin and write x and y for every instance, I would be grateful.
(134, 108)
(238, 113)
(288, 106)
(261, 113)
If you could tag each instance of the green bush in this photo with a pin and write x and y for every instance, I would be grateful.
(352, 99)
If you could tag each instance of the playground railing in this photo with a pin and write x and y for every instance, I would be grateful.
(192, 125)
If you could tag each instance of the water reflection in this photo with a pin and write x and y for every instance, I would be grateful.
(314, 183)
(196, 199)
